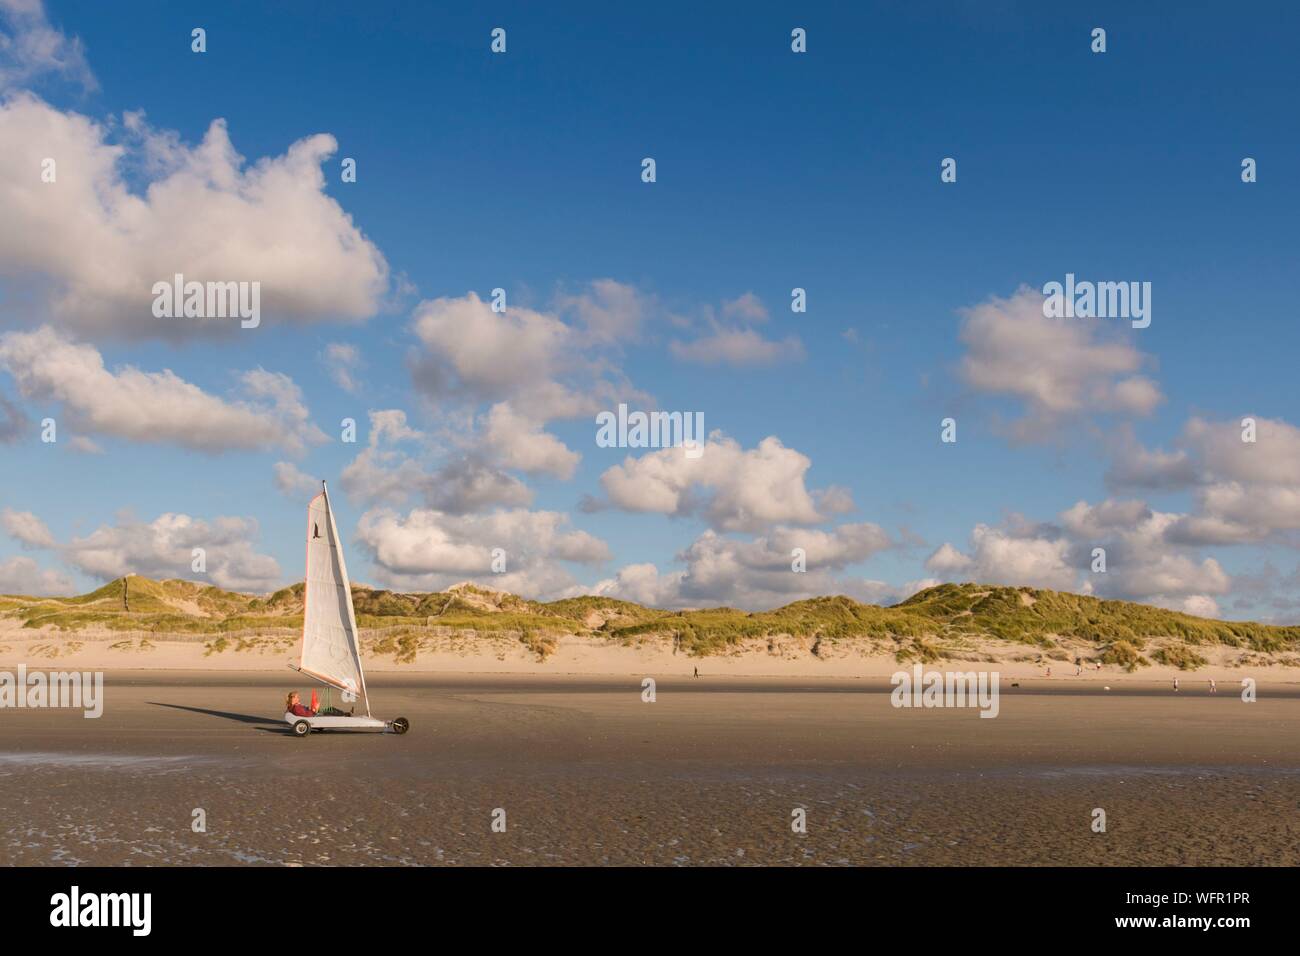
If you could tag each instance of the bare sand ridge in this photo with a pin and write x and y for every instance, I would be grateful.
(707, 774)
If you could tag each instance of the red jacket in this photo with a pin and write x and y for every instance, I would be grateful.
(298, 710)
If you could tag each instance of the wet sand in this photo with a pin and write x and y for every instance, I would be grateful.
(588, 773)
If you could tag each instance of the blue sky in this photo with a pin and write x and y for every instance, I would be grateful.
(775, 170)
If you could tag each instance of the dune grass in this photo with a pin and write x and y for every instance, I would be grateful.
(927, 626)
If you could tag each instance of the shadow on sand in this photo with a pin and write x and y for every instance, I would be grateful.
(273, 725)
(241, 718)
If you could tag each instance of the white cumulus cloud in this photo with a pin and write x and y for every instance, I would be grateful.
(732, 488)
(155, 407)
(1059, 370)
(92, 244)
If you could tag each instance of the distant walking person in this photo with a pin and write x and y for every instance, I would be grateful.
(697, 672)
(1175, 685)
(1214, 688)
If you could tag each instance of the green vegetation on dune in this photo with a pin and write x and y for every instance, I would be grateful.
(1029, 615)
(1180, 656)
(1124, 654)
(828, 618)
(931, 624)
(610, 609)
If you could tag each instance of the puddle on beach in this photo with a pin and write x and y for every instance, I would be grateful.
(38, 760)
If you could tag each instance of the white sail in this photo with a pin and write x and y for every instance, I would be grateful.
(330, 648)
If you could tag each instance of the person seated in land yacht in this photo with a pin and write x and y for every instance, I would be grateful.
(293, 704)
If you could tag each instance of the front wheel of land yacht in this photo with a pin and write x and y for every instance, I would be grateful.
(301, 728)
(401, 725)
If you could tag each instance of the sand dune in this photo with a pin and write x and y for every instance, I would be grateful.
(577, 654)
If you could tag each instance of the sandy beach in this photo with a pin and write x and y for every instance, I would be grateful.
(710, 773)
